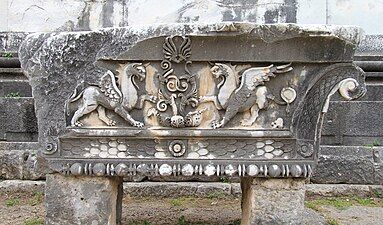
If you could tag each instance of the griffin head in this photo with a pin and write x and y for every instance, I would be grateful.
(219, 70)
(139, 70)
(135, 70)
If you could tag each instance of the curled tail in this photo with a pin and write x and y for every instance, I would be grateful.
(76, 95)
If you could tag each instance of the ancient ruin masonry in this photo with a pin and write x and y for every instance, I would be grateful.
(188, 100)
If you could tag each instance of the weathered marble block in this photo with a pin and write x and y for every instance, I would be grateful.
(83, 200)
(227, 99)
(273, 201)
(235, 99)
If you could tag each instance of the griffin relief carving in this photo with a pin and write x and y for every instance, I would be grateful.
(241, 93)
(107, 95)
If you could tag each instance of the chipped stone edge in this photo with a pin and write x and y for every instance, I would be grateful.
(267, 32)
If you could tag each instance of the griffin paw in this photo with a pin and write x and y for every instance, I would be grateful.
(201, 99)
(138, 124)
(111, 123)
(277, 124)
(216, 124)
(78, 124)
(151, 112)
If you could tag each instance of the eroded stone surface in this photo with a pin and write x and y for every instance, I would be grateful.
(164, 74)
(21, 160)
(37, 16)
(353, 165)
(133, 101)
(82, 200)
(11, 41)
(272, 201)
(18, 119)
(370, 46)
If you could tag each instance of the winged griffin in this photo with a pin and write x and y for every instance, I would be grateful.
(242, 93)
(107, 95)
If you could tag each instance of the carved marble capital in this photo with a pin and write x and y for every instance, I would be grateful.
(229, 99)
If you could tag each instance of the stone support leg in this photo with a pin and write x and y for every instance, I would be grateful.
(83, 200)
(272, 201)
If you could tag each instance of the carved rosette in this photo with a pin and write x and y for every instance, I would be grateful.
(305, 149)
(177, 148)
(50, 148)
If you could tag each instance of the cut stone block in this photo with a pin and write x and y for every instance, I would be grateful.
(272, 201)
(21, 160)
(349, 164)
(23, 125)
(353, 123)
(19, 88)
(83, 200)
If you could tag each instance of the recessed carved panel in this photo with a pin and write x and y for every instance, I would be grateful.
(177, 93)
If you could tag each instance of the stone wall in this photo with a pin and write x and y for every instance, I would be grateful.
(18, 126)
(352, 133)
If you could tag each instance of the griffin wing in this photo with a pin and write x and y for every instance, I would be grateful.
(282, 69)
(108, 86)
(249, 79)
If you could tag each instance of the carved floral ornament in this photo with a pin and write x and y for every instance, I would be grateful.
(176, 103)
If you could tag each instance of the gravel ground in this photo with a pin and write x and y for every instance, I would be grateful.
(181, 211)
(21, 208)
(354, 215)
(27, 208)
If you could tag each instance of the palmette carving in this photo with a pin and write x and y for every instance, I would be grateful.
(242, 93)
(176, 91)
(108, 95)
